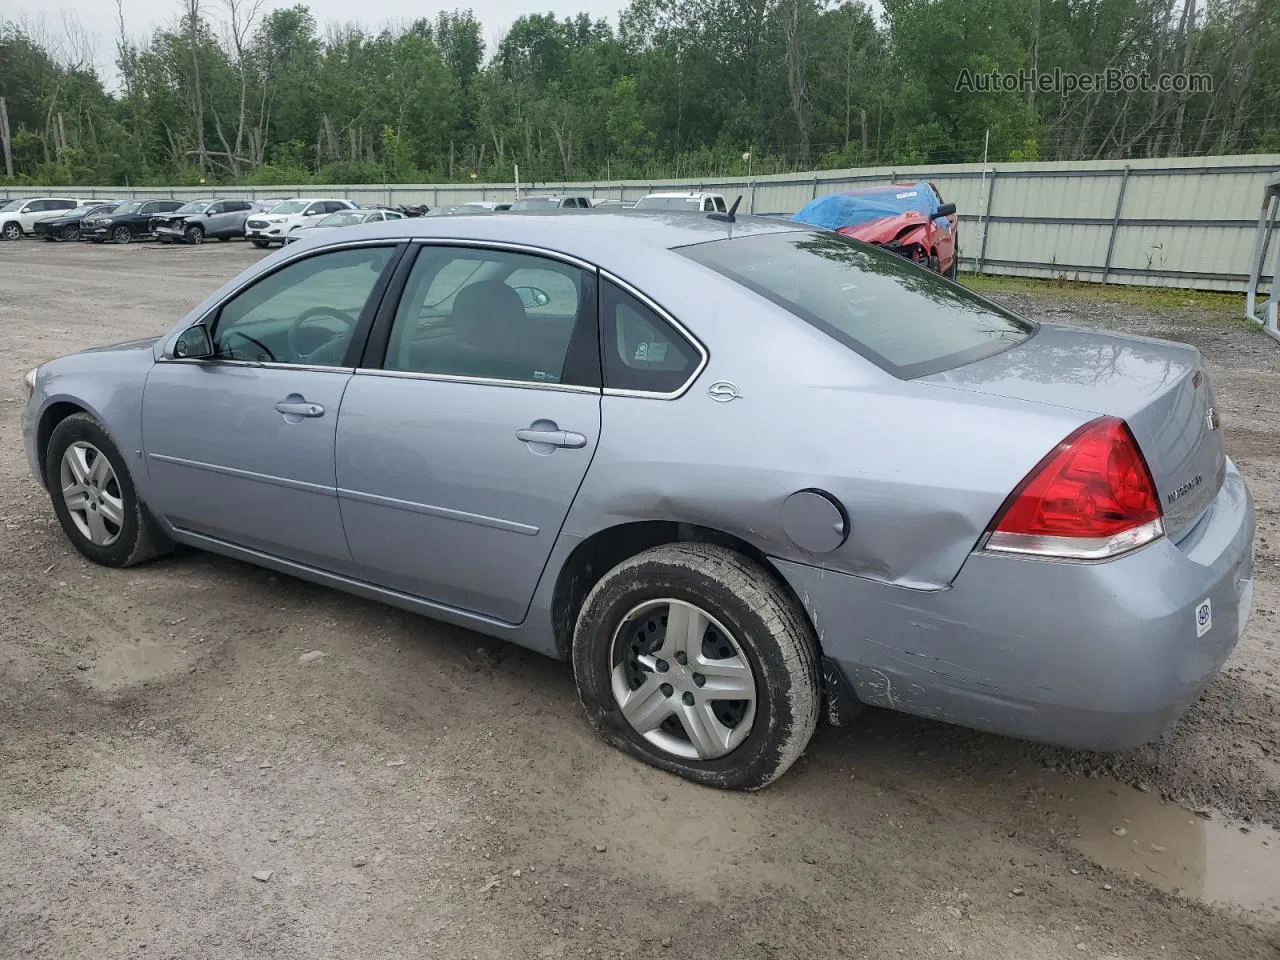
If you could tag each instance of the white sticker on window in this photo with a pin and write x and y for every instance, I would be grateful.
(651, 352)
(1204, 618)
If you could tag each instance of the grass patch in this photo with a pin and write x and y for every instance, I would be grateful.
(1150, 297)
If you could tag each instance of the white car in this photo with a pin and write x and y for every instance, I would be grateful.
(344, 218)
(693, 202)
(276, 224)
(17, 217)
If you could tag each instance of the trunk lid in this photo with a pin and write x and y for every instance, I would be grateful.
(1160, 389)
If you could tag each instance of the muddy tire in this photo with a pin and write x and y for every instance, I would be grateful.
(94, 497)
(647, 669)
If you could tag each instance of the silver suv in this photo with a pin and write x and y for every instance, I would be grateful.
(199, 220)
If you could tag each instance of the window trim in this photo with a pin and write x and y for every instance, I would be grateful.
(704, 357)
(375, 350)
(360, 335)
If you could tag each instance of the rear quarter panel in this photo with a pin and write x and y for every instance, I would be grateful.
(920, 470)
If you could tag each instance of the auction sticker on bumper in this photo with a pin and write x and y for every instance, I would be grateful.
(1204, 618)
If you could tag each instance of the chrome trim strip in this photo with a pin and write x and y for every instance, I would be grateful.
(704, 356)
(444, 513)
(246, 474)
(483, 381)
(264, 364)
(505, 245)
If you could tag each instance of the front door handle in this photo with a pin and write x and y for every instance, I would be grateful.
(299, 408)
(553, 438)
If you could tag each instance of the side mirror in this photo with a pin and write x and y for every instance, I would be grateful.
(194, 343)
(944, 210)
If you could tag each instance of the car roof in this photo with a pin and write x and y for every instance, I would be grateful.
(604, 237)
(681, 196)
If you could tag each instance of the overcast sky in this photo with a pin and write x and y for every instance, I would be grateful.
(95, 20)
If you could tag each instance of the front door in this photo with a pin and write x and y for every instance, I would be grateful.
(240, 447)
(458, 459)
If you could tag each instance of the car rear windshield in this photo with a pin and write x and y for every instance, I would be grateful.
(901, 317)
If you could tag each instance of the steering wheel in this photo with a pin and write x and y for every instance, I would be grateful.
(310, 316)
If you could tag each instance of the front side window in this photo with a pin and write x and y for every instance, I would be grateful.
(906, 320)
(303, 313)
(496, 315)
(641, 350)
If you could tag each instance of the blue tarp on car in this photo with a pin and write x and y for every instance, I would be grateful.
(853, 209)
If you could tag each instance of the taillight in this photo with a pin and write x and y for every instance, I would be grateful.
(1091, 498)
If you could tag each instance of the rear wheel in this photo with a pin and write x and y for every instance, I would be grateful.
(122, 234)
(694, 659)
(195, 234)
(94, 497)
(11, 231)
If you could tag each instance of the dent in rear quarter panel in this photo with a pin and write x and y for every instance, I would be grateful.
(920, 472)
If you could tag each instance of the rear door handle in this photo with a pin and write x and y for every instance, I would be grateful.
(554, 438)
(299, 409)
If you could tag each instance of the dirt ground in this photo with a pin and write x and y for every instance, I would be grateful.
(422, 791)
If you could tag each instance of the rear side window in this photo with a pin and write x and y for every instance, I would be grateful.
(906, 320)
(641, 350)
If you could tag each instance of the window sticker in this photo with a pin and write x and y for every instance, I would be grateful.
(651, 352)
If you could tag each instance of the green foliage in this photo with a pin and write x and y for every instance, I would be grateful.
(682, 88)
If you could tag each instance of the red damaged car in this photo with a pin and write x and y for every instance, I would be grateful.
(907, 218)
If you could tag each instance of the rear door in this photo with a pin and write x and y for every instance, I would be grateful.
(463, 441)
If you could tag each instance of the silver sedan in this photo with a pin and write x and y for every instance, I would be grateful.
(741, 474)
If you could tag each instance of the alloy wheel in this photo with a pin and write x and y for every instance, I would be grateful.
(12, 231)
(92, 494)
(123, 235)
(682, 681)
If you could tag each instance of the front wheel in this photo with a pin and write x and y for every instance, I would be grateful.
(11, 231)
(122, 235)
(70, 233)
(954, 267)
(94, 497)
(195, 234)
(260, 244)
(694, 659)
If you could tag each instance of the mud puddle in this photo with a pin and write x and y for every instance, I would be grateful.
(1138, 835)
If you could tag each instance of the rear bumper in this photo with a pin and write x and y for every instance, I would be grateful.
(1087, 655)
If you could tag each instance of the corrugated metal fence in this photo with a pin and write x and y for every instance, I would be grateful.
(1186, 222)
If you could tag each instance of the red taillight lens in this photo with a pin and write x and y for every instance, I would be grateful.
(1091, 498)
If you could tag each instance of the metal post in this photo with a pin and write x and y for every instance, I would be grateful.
(1261, 240)
(986, 216)
(1115, 223)
(814, 195)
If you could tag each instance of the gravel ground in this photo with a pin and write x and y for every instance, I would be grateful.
(184, 777)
